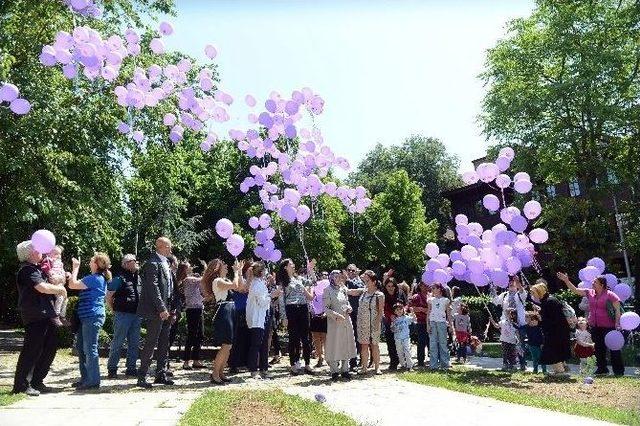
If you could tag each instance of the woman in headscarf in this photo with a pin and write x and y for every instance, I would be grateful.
(340, 345)
(556, 349)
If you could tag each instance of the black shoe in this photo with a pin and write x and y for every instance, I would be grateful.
(142, 383)
(42, 388)
(335, 377)
(599, 372)
(87, 387)
(76, 384)
(226, 379)
(29, 391)
(169, 373)
(233, 370)
(113, 374)
(393, 367)
(131, 373)
(346, 375)
(163, 380)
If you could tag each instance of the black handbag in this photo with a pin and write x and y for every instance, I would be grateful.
(74, 321)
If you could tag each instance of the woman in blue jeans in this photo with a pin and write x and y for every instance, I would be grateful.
(439, 320)
(90, 311)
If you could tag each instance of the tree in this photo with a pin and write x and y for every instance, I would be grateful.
(62, 163)
(394, 230)
(426, 162)
(564, 85)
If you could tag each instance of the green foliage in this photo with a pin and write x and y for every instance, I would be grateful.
(394, 230)
(563, 85)
(427, 163)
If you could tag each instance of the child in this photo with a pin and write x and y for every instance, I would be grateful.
(400, 328)
(584, 347)
(508, 339)
(439, 317)
(462, 327)
(534, 340)
(53, 267)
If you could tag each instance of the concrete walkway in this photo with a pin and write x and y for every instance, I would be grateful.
(382, 400)
(390, 401)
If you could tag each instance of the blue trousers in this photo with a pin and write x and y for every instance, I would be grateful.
(438, 349)
(87, 345)
(125, 325)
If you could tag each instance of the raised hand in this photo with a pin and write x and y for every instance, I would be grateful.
(75, 263)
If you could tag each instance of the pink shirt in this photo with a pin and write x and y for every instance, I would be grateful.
(598, 315)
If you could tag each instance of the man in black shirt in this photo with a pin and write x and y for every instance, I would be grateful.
(122, 297)
(36, 298)
(354, 282)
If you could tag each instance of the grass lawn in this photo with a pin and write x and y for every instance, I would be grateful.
(271, 407)
(629, 354)
(610, 399)
(7, 398)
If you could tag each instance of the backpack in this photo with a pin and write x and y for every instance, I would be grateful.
(569, 314)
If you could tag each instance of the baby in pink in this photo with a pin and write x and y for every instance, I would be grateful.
(54, 268)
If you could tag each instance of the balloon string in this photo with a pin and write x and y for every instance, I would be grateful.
(379, 240)
(301, 236)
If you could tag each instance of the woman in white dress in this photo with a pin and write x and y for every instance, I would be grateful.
(340, 344)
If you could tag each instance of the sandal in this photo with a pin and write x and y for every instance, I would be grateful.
(215, 381)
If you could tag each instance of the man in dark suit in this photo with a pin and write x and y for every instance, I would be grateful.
(153, 307)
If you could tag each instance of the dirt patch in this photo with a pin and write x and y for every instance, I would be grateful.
(254, 412)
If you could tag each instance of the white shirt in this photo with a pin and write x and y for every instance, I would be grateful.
(219, 293)
(167, 270)
(438, 311)
(583, 338)
(258, 303)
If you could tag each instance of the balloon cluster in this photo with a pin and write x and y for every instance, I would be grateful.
(85, 49)
(10, 94)
(595, 268)
(234, 242)
(491, 255)
(290, 171)
(85, 8)
(266, 248)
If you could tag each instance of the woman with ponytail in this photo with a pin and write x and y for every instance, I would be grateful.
(91, 313)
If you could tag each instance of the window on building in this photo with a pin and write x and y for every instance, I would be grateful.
(574, 188)
(551, 191)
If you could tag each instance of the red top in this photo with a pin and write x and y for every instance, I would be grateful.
(390, 300)
(598, 315)
(419, 301)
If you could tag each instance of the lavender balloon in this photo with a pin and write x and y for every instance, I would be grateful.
(224, 228)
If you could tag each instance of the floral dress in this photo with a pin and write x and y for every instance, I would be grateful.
(368, 326)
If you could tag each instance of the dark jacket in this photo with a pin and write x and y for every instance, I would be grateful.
(126, 296)
(154, 297)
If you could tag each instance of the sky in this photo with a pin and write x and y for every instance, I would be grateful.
(386, 69)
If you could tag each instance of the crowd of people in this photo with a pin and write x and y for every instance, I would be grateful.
(338, 316)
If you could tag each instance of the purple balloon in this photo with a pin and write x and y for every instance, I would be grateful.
(20, 106)
(276, 255)
(629, 321)
(503, 163)
(43, 241)
(500, 278)
(532, 209)
(590, 273)
(265, 220)
(265, 119)
(235, 244)
(288, 213)
(491, 202)
(303, 214)
(539, 236)
(518, 223)
(427, 277)
(270, 105)
(455, 255)
(623, 291)
(513, 265)
(224, 228)
(433, 264)
(475, 266)
(612, 280)
(459, 267)
(440, 276)
(614, 340)
(522, 186)
(254, 222)
(597, 263)
(9, 92)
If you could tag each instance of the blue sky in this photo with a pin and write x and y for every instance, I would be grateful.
(386, 69)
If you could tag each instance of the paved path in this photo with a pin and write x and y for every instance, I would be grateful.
(377, 400)
(390, 401)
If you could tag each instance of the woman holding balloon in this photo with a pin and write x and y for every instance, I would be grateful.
(604, 317)
(216, 286)
(295, 302)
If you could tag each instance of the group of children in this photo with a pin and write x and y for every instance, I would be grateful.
(463, 341)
